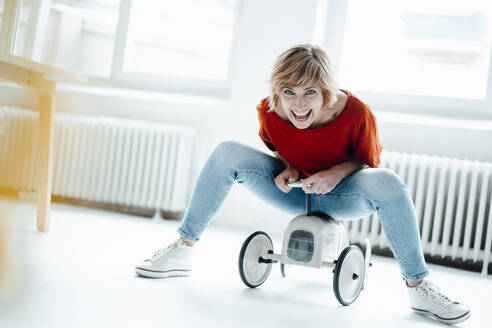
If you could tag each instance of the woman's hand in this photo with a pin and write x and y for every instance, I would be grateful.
(322, 182)
(289, 174)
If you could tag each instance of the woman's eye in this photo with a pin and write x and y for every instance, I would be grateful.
(288, 92)
(311, 92)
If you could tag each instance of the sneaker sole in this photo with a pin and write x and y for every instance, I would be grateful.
(161, 274)
(448, 321)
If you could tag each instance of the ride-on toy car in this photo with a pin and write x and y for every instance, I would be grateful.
(315, 241)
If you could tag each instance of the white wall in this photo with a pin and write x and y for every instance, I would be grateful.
(266, 28)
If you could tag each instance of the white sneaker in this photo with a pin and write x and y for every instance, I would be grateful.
(172, 261)
(428, 300)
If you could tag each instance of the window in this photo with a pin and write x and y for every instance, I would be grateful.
(76, 35)
(160, 45)
(424, 48)
(182, 45)
(187, 38)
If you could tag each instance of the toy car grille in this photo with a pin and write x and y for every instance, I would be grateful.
(301, 245)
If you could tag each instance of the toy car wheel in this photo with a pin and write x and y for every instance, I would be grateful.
(366, 250)
(284, 269)
(349, 275)
(253, 272)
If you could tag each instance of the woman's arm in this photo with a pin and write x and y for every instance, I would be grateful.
(346, 168)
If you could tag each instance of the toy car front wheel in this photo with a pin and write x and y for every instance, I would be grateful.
(349, 275)
(252, 269)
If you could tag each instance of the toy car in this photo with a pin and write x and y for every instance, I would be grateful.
(313, 241)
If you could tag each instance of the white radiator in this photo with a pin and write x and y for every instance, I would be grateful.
(100, 159)
(453, 202)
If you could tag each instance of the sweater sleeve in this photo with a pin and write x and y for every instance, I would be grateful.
(265, 138)
(365, 145)
(263, 133)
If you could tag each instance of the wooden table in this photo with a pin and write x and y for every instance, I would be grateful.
(43, 80)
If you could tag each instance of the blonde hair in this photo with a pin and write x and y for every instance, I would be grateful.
(303, 65)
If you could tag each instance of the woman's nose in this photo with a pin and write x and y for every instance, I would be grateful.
(300, 102)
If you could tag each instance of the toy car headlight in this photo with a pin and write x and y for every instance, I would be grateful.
(301, 245)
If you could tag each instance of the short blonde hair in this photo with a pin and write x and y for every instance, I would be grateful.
(303, 65)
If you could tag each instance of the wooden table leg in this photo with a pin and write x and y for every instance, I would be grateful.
(45, 157)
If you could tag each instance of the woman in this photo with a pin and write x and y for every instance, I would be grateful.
(328, 138)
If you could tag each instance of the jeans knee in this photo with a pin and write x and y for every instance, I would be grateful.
(385, 183)
(387, 175)
(391, 184)
(226, 154)
(225, 148)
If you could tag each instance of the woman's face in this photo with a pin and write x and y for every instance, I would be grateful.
(302, 104)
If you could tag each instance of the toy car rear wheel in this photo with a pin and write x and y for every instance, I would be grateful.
(253, 272)
(366, 250)
(349, 275)
(284, 269)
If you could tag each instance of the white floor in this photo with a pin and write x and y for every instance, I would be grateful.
(80, 274)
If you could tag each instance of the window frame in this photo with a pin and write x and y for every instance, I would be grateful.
(336, 15)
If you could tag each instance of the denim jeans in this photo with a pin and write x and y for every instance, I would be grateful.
(358, 195)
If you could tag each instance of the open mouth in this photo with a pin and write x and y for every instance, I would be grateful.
(301, 118)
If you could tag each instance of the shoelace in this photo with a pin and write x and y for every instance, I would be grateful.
(167, 250)
(432, 292)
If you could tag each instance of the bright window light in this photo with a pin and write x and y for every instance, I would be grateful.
(187, 38)
(428, 48)
(81, 34)
(77, 35)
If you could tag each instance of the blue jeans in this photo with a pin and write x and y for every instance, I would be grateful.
(358, 195)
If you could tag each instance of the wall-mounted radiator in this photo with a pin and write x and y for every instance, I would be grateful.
(128, 163)
(453, 202)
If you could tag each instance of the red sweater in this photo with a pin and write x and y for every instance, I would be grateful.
(352, 134)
